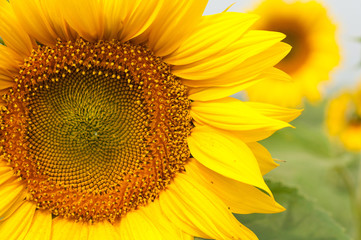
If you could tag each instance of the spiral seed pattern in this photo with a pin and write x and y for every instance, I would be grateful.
(95, 129)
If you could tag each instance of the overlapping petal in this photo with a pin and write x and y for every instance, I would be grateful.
(126, 20)
(12, 191)
(251, 44)
(247, 73)
(174, 23)
(264, 158)
(13, 33)
(62, 228)
(86, 17)
(149, 223)
(103, 230)
(226, 155)
(40, 228)
(18, 225)
(233, 114)
(199, 212)
(213, 33)
(35, 20)
(239, 197)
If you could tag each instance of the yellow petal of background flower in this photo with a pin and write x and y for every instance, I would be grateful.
(190, 205)
(239, 197)
(17, 226)
(86, 17)
(226, 155)
(251, 44)
(213, 33)
(40, 228)
(35, 20)
(13, 33)
(62, 229)
(174, 23)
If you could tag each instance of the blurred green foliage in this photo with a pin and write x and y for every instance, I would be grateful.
(303, 220)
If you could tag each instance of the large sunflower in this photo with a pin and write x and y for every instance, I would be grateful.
(314, 53)
(115, 120)
(343, 119)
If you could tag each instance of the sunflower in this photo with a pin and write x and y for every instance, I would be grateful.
(343, 119)
(314, 53)
(115, 120)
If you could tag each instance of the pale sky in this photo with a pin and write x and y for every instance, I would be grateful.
(347, 13)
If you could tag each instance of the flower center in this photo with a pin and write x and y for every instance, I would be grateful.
(296, 36)
(95, 129)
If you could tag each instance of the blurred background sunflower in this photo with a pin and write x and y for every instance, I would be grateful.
(315, 53)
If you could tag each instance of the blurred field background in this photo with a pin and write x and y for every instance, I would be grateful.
(315, 171)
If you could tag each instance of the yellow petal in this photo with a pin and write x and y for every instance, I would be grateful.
(141, 18)
(126, 20)
(5, 82)
(192, 206)
(264, 158)
(63, 228)
(213, 34)
(34, 20)
(18, 224)
(86, 17)
(226, 155)
(173, 24)
(57, 21)
(258, 65)
(233, 114)
(275, 112)
(239, 78)
(7, 62)
(6, 174)
(239, 197)
(12, 192)
(137, 226)
(103, 230)
(165, 226)
(250, 44)
(13, 34)
(40, 228)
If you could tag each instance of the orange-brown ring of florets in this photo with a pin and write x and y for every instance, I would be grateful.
(168, 120)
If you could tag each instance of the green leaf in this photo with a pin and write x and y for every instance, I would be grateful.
(301, 221)
(1, 41)
(309, 162)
